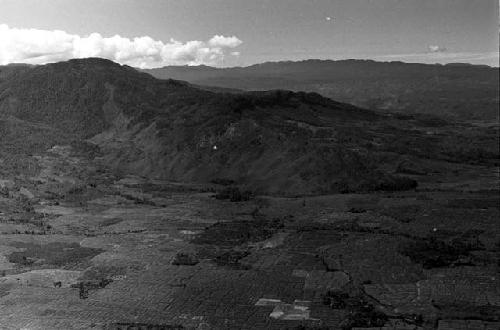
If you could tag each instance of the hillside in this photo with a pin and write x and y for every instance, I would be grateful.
(456, 91)
(275, 142)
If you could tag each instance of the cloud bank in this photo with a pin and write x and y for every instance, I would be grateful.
(35, 46)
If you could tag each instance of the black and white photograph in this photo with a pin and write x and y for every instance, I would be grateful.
(249, 164)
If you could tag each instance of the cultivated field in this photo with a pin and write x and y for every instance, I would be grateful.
(83, 247)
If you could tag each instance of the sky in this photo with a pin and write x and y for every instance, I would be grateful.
(155, 33)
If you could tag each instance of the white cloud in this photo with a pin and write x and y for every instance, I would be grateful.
(221, 41)
(436, 49)
(35, 46)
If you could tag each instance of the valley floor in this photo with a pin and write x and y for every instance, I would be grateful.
(83, 248)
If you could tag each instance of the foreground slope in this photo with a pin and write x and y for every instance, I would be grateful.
(457, 91)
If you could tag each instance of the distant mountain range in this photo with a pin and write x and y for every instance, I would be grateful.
(278, 142)
(456, 91)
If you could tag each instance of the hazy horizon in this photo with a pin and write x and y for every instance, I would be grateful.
(265, 62)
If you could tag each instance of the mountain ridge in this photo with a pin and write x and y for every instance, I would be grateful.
(173, 130)
(278, 141)
(455, 91)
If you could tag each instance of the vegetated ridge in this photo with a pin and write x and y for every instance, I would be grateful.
(456, 91)
(274, 141)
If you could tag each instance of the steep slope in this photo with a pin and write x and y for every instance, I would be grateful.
(274, 142)
(70, 95)
(457, 91)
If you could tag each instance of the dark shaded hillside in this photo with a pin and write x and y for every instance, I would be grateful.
(8, 71)
(70, 95)
(21, 136)
(457, 91)
(275, 141)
